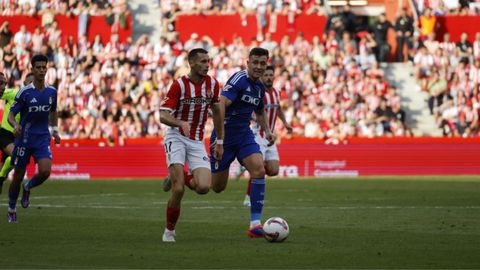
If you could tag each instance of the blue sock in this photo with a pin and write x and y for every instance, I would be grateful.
(257, 195)
(33, 182)
(12, 199)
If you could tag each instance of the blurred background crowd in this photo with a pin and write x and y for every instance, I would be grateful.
(333, 87)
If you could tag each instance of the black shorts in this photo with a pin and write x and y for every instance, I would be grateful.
(6, 138)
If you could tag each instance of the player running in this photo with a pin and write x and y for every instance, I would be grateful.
(185, 110)
(37, 105)
(241, 96)
(273, 109)
(6, 130)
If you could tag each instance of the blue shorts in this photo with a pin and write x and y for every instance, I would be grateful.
(37, 146)
(235, 146)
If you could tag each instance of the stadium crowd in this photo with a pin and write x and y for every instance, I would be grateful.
(332, 88)
(450, 73)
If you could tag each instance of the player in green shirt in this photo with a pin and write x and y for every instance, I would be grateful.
(6, 130)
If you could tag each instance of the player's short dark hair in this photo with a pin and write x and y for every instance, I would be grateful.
(39, 58)
(194, 52)
(270, 67)
(258, 51)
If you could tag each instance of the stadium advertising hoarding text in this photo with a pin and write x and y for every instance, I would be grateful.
(302, 159)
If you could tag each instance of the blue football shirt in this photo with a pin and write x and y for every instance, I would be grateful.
(34, 107)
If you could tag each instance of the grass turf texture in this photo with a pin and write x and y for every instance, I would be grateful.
(389, 222)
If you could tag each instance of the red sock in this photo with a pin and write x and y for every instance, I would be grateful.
(172, 217)
(187, 178)
(249, 186)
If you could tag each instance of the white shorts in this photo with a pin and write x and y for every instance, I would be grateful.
(268, 152)
(180, 149)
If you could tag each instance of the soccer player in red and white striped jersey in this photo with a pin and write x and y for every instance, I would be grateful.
(272, 109)
(185, 110)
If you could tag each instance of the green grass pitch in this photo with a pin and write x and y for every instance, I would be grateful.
(389, 222)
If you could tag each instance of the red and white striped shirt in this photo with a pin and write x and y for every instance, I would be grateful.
(190, 102)
(272, 105)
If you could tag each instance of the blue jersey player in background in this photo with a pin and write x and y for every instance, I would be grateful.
(241, 96)
(37, 105)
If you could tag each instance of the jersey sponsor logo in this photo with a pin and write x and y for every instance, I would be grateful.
(196, 101)
(251, 100)
(34, 100)
(40, 108)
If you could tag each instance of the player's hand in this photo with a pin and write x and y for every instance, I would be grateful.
(185, 126)
(218, 151)
(289, 128)
(271, 138)
(17, 130)
(56, 137)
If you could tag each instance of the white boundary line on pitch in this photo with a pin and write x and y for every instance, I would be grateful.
(267, 207)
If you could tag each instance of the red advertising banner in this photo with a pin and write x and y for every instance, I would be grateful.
(313, 159)
(227, 27)
(69, 26)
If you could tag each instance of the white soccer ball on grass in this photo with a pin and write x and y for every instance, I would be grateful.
(276, 229)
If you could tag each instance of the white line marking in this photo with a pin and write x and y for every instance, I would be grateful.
(267, 207)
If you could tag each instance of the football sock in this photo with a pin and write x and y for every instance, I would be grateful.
(12, 199)
(7, 167)
(172, 217)
(249, 187)
(257, 195)
(35, 181)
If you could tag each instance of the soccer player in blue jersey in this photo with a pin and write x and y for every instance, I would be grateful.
(37, 105)
(241, 96)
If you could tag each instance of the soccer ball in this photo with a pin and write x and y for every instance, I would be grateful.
(276, 229)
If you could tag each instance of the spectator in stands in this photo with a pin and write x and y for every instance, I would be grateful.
(465, 47)
(476, 46)
(404, 29)
(349, 18)
(335, 22)
(428, 23)
(5, 34)
(380, 32)
(436, 87)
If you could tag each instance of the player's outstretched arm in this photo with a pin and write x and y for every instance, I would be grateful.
(17, 129)
(168, 119)
(53, 118)
(263, 122)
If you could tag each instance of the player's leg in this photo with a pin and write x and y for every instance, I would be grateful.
(254, 165)
(220, 180)
(6, 144)
(220, 168)
(202, 179)
(13, 193)
(198, 163)
(44, 169)
(251, 157)
(21, 157)
(263, 144)
(174, 202)
(272, 160)
(3, 161)
(175, 150)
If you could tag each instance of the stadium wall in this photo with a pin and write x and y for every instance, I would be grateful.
(299, 157)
